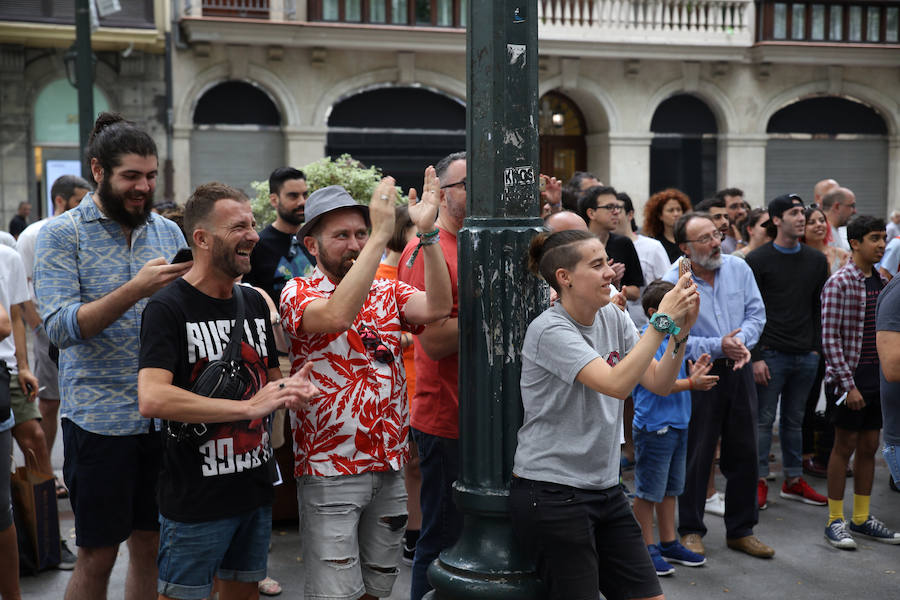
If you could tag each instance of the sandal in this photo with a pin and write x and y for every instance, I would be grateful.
(61, 490)
(269, 587)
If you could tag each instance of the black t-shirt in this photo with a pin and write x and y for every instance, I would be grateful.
(225, 471)
(277, 258)
(866, 375)
(621, 249)
(790, 285)
(672, 248)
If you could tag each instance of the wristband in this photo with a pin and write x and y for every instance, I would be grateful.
(425, 239)
(690, 383)
(679, 344)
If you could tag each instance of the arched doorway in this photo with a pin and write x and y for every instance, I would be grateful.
(683, 149)
(400, 130)
(55, 138)
(829, 137)
(237, 136)
(562, 128)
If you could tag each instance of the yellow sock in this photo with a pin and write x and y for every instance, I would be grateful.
(860, 509)
(835, 509)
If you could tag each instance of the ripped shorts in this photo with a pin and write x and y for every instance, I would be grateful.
(351, 530)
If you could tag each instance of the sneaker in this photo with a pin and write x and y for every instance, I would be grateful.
(875, 529)
(762, 494)
(67, 559)
(715, 505)
(802, 492)
(813, 467)
(674, 552)
(837, 535)
(659, 563)
(408, 555)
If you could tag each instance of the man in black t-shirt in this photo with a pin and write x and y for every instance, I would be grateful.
(790, 276)
(279, 256)
(601, 210)
(215, 483)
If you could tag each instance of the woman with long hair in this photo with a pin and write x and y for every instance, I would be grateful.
(661, 212)
(816, 237)
(580, 359)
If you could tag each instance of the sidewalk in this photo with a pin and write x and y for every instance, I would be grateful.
(805, 565)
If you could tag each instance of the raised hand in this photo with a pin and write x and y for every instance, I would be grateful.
(381, 208)
(423, 212)
(552, 193)
(682, 302)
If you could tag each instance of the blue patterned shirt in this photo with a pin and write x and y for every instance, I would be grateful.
(79, 260)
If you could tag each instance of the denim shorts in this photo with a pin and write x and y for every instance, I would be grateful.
(892, 458)
(232, 549)
(352, 528)
(659, 463)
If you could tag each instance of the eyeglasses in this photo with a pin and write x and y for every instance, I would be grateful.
(707, 238)
(461, 182)
(612, 207)
(373, 344)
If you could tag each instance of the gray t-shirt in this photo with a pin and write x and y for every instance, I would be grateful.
(570, 434)
(888, 319)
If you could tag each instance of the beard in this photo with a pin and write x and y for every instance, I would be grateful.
(114, 205)
(337, 267)
(294, 217)
(225, 259)
(710, 262)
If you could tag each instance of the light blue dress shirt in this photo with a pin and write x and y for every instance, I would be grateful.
(734, 301)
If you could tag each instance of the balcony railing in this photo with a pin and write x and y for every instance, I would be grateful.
(703, 22)
(427, 13)
(134, 14)
(826, 21)
(251, 9)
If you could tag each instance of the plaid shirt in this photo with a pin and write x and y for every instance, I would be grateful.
(843, 318)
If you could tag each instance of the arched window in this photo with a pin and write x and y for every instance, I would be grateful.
(401, 130)
(683, 149)
(237, 136)
(829, 137)
(562, 128)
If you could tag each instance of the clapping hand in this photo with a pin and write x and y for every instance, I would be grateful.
(700, 379)
(423, 212)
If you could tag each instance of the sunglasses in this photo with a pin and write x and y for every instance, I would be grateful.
(374, 345)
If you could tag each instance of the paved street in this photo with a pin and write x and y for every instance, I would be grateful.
(804, 567)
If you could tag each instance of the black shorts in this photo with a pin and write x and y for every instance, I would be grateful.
(868, 418)
(582, 541)
(112, 484)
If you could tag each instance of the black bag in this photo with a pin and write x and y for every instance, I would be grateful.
(5, 400)
(224, 378)
(36, 517)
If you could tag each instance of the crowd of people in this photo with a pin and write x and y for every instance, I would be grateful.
(173, 350)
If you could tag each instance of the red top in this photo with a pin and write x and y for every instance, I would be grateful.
(386, 271)
(435, 406)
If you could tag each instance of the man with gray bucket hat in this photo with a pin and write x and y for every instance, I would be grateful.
(350, 444)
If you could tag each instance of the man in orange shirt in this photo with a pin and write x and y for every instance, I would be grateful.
(434, 414)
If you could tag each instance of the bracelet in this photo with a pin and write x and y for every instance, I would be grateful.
(690, 384)
(679, 344)
(425, 239)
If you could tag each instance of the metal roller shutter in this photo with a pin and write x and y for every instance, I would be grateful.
(235, 155)
(861, 164)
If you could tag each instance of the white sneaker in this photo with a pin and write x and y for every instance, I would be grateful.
(715, 505)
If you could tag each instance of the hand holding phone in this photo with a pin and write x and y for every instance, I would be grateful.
(183, 255)
(684, 266)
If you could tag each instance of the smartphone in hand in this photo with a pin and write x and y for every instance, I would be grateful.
(183, 255)
(684, 266)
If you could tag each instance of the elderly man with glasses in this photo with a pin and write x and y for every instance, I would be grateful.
(732, 316)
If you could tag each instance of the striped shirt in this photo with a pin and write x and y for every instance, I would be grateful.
(843, 323)
(81, 256)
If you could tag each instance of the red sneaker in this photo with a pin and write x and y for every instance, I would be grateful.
(802, 492)
(762, 494)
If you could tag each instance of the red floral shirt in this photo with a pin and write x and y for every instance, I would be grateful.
(359, 422)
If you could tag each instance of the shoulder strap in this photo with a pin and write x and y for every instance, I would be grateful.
(233, 350)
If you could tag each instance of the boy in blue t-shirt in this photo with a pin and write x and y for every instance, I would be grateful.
(660, 446)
